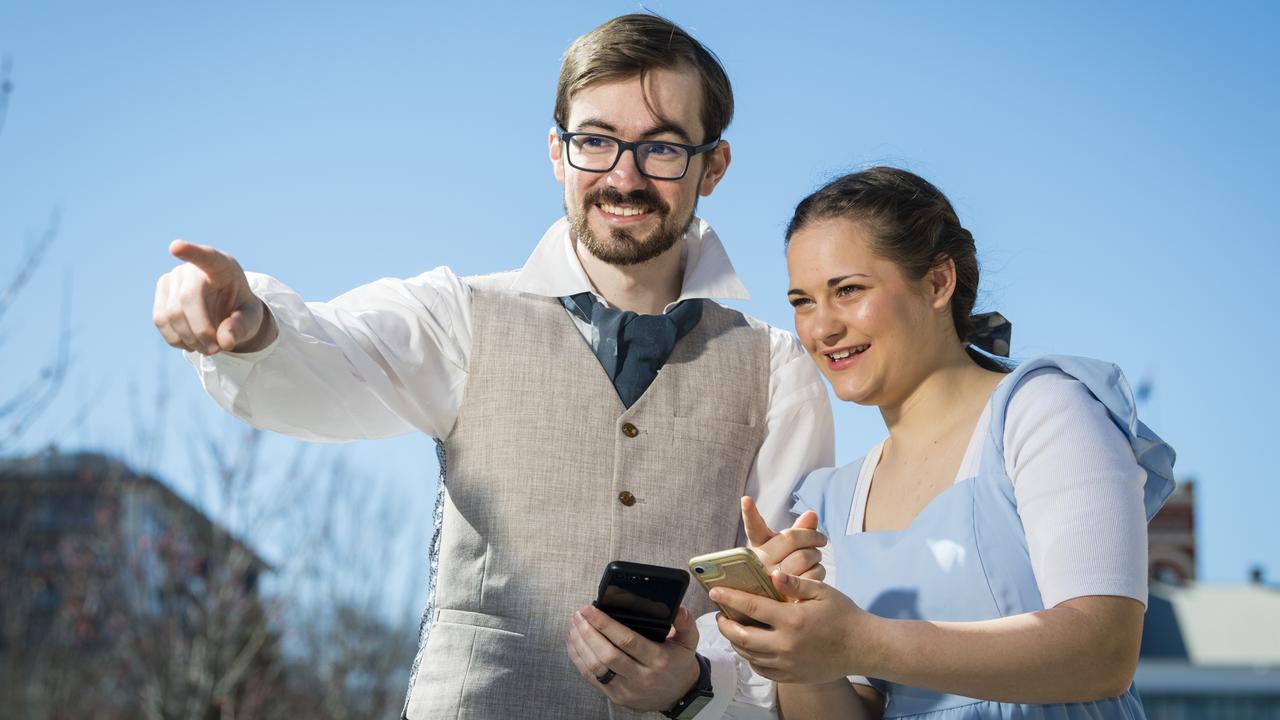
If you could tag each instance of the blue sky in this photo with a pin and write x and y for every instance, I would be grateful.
(1116, 165)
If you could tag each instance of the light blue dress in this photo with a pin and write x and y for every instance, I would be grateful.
(987, 570)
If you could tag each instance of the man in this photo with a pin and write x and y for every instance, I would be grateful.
(558, 455)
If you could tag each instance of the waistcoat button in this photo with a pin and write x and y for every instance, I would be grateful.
(626, 498)
(630, 430)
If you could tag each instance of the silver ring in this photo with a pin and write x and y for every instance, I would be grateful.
(606, 677)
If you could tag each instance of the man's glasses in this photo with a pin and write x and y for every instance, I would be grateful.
(657, 159)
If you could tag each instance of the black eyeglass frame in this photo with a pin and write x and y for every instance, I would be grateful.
(623, 146)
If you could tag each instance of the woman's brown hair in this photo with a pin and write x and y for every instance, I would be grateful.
(913, 225)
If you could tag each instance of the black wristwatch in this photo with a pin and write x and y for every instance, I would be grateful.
(697, 698)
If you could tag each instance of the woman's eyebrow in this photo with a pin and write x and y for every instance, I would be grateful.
(830, 283)
(841, 278)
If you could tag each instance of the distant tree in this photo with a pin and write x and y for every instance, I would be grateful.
(114, 609)
(123, 601)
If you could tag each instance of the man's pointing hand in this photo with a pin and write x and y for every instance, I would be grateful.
(205, 304)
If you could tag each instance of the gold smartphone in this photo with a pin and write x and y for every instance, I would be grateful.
(738, 568)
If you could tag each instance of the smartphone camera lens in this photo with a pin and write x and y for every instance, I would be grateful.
(699, 569)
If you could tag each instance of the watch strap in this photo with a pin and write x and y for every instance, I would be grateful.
(697, 697)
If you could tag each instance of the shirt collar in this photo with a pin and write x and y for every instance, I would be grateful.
(553, 269)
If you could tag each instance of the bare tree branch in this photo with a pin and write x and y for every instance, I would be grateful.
(149, 437)
(37, 245)
(19, 411)
(123, 599)
(6, 88)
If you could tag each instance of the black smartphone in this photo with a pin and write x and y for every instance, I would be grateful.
(643, 597)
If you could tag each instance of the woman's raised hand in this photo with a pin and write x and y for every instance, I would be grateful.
(793, 551)
(808, 638)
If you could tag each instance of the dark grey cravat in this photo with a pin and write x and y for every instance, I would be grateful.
(632, 348)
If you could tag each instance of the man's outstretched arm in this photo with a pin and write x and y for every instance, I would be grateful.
(385, 359)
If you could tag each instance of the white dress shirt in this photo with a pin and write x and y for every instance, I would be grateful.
(391, 357)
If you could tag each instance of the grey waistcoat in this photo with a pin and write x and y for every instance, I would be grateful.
(533, 509)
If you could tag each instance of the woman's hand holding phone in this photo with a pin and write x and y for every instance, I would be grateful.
(794, 551)
(803, 637)
(772, 555)
(811, 637)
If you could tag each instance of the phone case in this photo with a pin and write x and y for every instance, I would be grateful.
(647, 625)
(738, 568)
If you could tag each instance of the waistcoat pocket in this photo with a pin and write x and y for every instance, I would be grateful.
(718, 432)
(466, 667)
(478, 620)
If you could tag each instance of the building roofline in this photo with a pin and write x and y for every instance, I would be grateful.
(1177, 677)
(65, 465)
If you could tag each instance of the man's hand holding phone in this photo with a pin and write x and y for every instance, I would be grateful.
(638, 673)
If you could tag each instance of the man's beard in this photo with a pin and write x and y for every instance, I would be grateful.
(622, 247)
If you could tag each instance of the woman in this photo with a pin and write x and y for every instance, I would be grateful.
(990, 554)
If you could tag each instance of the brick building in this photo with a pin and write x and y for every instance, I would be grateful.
(115, 587)
(1172, 538)
(1208, 650)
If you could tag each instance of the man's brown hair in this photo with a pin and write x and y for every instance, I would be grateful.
(632, 45)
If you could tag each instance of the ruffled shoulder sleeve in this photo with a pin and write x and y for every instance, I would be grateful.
(1107, 383)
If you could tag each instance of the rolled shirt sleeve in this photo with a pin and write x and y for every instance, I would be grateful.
(799, 433)
(799, 438)
(384, 359)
